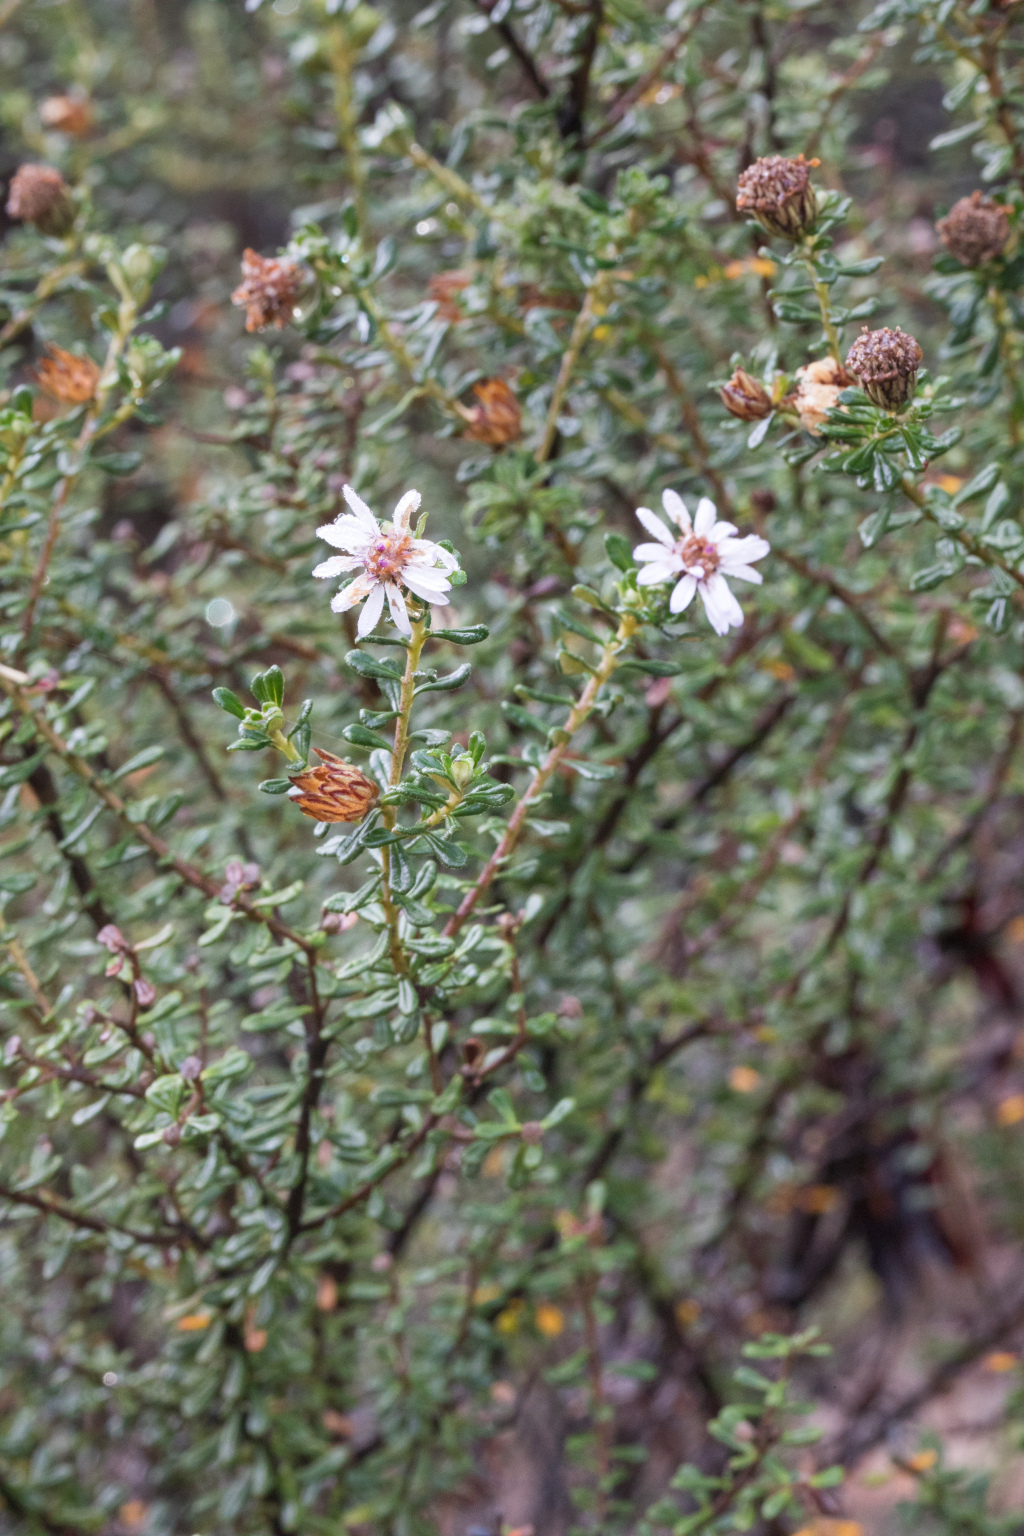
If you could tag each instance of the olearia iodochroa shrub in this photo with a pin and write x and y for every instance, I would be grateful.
(511, 799)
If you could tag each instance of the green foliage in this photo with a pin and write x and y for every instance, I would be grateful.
(625, 1010)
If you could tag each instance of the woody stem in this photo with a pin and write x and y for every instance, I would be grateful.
(398, 751)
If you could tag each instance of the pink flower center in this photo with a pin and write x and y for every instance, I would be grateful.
(386, 556)
(693, 552)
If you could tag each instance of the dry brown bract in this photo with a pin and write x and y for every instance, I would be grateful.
(39, 195)
(334, 790)
(885, 365)
(445, 287)
(745, 397)
(497, 419)
(819, 385)
(269, 288)
(975, 230)
(66, 376)
(778, 192)
(72, 115)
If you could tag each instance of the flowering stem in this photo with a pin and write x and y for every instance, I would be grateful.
(578, 716)
(282, 744)
(580, 332)
(965, 539)
(398, 751)
(825, 305)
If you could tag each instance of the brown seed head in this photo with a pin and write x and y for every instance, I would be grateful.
(746, 397)
(497, 419)
(819, 385)
(975, 230)
(885, 365)
(333, 791)
(444, 286)
(66, 376)
(777, 191)
(268, 290)
(39, 195)
(72, 115)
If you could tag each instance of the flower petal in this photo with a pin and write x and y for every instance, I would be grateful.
(743, 573)
(428, 551)
(682, 594)
(361, 510)
(399, 612)
(404, 511)
(337, 565)
(705, 518)
(654, 574)
(675, 506)
(721, 531)
(744, 550)
(354, 593)
(346, 533)
(655, 527)
(430, 591)
(649, 552)
(370, 615)
(720, 605)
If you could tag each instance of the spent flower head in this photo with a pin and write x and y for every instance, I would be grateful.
(975, 230)
(40, 196)
(777, 190)
(701, 556)
(333, 790)
(885, 365)
(388, 557)
(67, 376)
(746, 397)
(269, 288)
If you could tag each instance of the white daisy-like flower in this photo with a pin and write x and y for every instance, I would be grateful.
(703, 555)
(388, 558)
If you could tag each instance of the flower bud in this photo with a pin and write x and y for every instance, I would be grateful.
(746, 397)
(463, 769)
(40, 196)
(269, 288)
(975, 230)
(778, 192)
(885, 365)
(66, 376)
(497, 419)
(334, 790)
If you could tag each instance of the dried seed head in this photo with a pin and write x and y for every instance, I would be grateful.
(819, 385)
(39, 195)
(777, 191)
(72, 115)
(885, 365)
(746, 397)
(66, 376)
(497, 419)
(269, 288)
(333, 791)
(444, 286)
(975, 230)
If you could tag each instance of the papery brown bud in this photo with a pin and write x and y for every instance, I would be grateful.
(746, 397)
(334, 790)
(67, 376)
(40, 196)
(885, 365)
(497, 419)
(532, 1133)
(777, 191)
(172, 1135)
(819, 385)
(975, 230)
(763, 501)
(443, 287)
(269, 288)
(472, 1050)
(72, 115)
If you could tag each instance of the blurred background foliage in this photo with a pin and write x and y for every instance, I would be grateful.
(761, 954)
